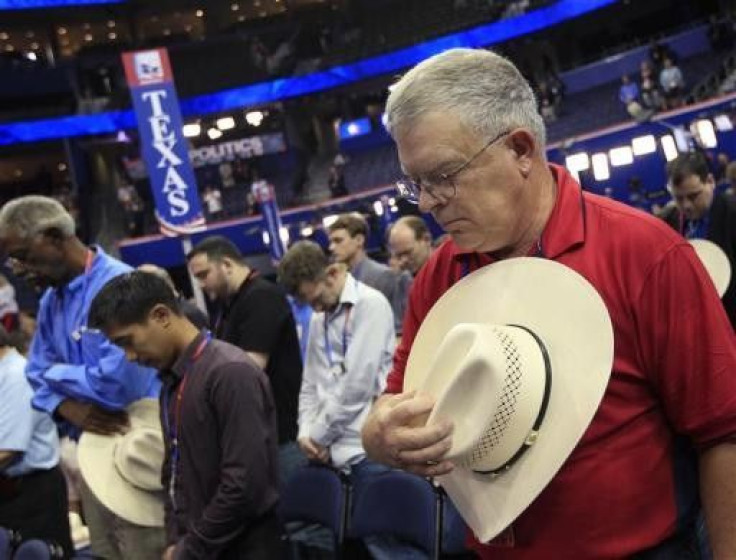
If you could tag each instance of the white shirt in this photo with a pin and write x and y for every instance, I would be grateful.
(339, 385)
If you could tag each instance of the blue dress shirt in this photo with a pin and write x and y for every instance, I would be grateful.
(69, 361)
(29, 432)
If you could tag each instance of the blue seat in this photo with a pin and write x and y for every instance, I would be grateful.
(36, 549)
(6, 543)
(402, 505)
(317, 494)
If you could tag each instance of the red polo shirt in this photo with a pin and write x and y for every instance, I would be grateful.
(627, 485)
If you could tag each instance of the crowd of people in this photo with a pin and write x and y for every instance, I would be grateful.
(661, 85)
(204, 420)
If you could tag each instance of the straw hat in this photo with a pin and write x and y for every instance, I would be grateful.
(715, 261)
(123, 471)
(518, 356)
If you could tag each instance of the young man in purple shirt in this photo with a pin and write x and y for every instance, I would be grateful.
(218, 420)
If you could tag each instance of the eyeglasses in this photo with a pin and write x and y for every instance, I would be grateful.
(443, 187)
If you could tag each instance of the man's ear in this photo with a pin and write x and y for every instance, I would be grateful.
(524, 146)
(160, 314)
(361, 238)
(332, 269)
(227, 264)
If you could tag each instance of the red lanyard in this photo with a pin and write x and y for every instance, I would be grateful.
(173, 428)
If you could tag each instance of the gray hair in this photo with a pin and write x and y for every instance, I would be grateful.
(483, 89)
(30, 215)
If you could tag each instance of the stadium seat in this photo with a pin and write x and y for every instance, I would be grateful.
(36, 549)
(317, 494)
(402, 505)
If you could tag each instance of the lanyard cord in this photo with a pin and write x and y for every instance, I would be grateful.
(173, 428)
(328, 346)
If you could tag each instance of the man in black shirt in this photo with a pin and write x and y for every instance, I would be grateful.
(192, 312)
(700, 212)
(218, 420)
(255, 316)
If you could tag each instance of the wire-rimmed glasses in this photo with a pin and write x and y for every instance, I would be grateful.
(444, 187)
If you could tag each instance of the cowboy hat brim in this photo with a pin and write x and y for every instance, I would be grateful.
(716, 263)
(564, 310)
(96, 464)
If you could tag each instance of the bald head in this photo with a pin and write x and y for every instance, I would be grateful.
(160, 272)
(410, 243)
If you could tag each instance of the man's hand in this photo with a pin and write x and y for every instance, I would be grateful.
(92, 418)
(395, 434)
(313, 450)
(169, 553)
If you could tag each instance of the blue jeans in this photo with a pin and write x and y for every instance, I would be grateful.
(291, 458)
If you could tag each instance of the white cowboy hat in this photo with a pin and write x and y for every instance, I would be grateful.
(715, 261)
(123, 471)
(518, 356)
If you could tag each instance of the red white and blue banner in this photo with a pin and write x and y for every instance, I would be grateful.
(163, 146)
(266, 198)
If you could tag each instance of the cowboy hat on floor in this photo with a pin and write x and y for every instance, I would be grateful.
(715, 261)
(518, 355)
(123, 471)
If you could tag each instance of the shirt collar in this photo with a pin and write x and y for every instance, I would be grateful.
(78, 281)
(349, 290)
(565, 228)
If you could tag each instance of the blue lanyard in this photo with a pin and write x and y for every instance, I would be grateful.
(695, 229)
(172, 428)
(328, 346)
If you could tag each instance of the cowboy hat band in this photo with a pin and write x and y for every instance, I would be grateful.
(509, 364)
(532, 436)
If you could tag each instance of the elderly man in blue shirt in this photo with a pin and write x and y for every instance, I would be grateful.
(77, 375)
(32, 490)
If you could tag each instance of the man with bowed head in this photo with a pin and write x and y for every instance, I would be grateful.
(77, 375)
(472, 146)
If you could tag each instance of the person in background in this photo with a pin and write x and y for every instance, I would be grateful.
(351, 341)
(8, 305)
(701, 213)
(630, 97)
(192, 312)
(212, 197)
(78, 377)
(673, 84)
(348, 235)
(254, 315)
(410, 243)
(218, 419)
(32, 490)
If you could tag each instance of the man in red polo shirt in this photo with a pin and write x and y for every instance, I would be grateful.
(662, 442)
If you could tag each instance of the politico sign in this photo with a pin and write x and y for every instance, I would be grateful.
(163, 145)
(244, 148)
